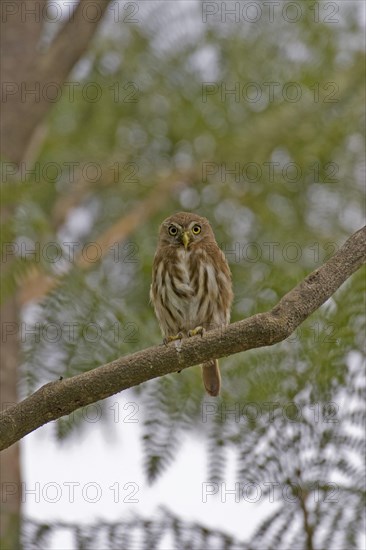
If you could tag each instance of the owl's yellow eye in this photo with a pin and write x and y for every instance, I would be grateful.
(173, 230)
(196, 229)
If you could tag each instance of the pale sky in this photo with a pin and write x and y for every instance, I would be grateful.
(106, 457)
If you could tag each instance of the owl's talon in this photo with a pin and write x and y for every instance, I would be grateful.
(169, 339)
(195, 331)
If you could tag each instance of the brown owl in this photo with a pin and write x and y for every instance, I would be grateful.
(191, 286)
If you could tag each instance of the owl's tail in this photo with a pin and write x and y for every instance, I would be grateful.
(211, 377)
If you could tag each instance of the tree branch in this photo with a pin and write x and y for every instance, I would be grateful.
(308, 528)
(60, 398)
(25, 65)
(65, 49)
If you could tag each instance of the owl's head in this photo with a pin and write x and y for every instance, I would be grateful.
(185, 229)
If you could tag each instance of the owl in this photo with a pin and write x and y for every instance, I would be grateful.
(191, 288)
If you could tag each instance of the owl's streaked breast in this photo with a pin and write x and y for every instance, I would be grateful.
(191, 284)
(186, 293)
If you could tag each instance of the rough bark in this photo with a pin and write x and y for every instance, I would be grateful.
(61, 397)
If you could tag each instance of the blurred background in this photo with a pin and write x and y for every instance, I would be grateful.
(115, 115)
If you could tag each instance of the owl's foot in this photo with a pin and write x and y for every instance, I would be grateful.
(195, 331)
(168, 339)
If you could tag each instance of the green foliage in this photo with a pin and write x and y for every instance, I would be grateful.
(137, 532)
(170, 406)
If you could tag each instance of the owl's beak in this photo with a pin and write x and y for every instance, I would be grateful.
(185, 239)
